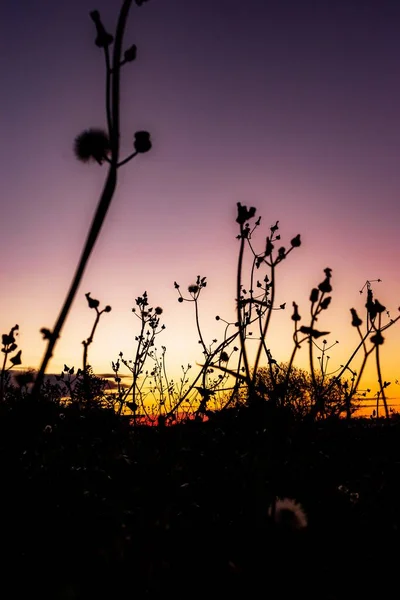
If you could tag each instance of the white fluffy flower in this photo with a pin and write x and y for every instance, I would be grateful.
(288, 514)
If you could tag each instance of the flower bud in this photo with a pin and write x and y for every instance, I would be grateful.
(103, 38)
(356, 321)
(142, 141)
(130, 54)
(296, 242)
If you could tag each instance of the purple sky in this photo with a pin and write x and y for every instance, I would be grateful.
(290, 106)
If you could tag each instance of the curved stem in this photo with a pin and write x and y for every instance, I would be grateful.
(103, 205)
(97, 223)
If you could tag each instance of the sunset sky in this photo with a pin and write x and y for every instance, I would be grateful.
(290, 106)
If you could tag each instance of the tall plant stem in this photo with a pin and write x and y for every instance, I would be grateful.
(104, 202)
(266, 324)
(241, 321)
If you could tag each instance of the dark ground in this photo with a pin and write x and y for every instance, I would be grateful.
(94, 509)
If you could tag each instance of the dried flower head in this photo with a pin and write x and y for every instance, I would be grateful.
(296, 241)
(295, 315)
(92, 144)
(92, 302)
(356, 321)
(103, 38)
(193, 288)
(158, 310)
(289, 514)
(377, 339)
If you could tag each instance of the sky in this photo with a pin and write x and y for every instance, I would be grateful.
(291, 107)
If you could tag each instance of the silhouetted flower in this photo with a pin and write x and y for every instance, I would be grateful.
(377, 339)
(193, 289)
(314, 295)
(325, 303)
(92, 144)
(325, 286)
(269, 247)
(289, 514)
(142, 141)
(244, 214)
(107, 308)
(296, 241)
(9, 339)
(295, 315)
(130, 54)
(92, 302)
(158, 310)
(356, 321)
(103, 39)
(379, 307)
(224, 357)
(275, 228)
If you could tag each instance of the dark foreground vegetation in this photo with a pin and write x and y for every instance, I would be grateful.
(280, 493)
(95, 508)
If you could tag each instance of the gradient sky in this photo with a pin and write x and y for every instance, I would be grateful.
(290, 106)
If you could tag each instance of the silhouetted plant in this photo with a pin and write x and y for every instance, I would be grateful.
(9, 346)
(100, 146)
(150, 327)
(293, 388)
(82, 388)
(94, 304)
(327, 393)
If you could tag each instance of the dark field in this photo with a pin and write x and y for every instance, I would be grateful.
(94, 509)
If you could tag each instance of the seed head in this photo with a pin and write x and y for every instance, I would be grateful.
(92, 144)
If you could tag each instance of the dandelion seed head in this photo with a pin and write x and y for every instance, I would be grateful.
(289, 514)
